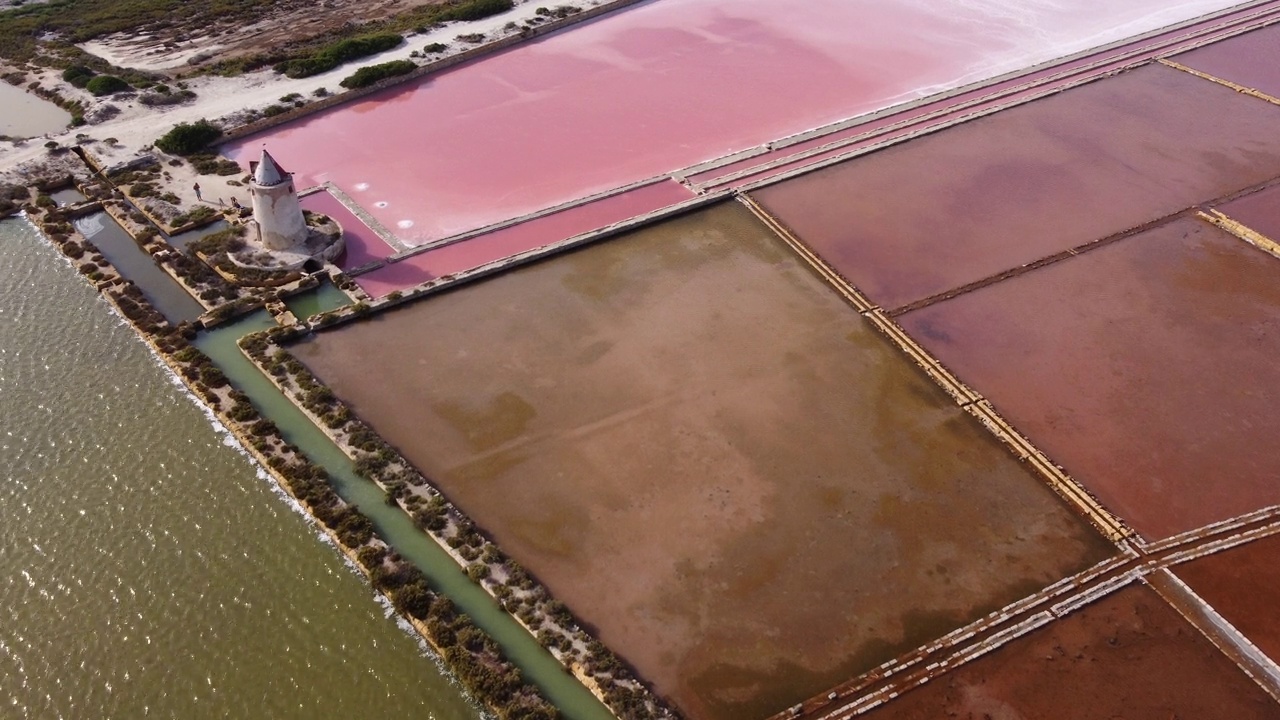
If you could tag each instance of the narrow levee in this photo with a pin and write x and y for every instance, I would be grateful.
(395, 527)
(170, 298)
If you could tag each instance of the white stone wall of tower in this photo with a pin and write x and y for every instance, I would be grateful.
(278, 215)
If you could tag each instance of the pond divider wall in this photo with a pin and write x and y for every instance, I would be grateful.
(1063, 484)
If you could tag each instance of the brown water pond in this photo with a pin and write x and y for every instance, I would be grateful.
(710, 458)
(1146, 367)
(1243, 584)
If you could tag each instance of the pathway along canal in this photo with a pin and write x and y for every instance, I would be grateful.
(395, 527)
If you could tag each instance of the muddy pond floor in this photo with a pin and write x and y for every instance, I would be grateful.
(1243, 584)
(977, 199)
(1127, 656)
(688, 437)
(1125, 365)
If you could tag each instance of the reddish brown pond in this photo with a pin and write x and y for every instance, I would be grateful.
(710, 458)
(1260, 211)
(1243, 584)
(1251, 60)
(972, 201)
(1146, 367)
(1127, 656)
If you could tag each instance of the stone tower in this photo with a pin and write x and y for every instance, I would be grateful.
(276, 211)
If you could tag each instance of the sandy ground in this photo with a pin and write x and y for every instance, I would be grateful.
(137, 126)
(177, 49)
(1127, 656)
(687, 436)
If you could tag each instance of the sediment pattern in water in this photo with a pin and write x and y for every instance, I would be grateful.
(710, 458)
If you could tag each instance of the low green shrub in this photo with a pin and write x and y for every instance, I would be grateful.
(334, 54)
(367, 76)
(189, 138)
(101, 85)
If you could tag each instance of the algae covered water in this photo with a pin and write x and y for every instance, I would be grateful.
(146, 569)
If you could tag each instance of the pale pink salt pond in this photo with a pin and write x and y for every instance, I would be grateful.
(662, 86)
(363, 244)
(468, 254)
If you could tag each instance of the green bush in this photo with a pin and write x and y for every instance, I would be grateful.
(332, 55)
(105, 85)
(476, 9)
(189, 138)
(367, 76)
(78, 75)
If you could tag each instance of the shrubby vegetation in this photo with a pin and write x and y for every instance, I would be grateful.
(78, 75)
(189, 138)
(106, 85)
(75, 21)
(474, 10)
(334, 54)
(367, 76)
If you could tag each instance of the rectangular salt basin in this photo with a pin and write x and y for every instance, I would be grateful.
(710, 458)
(529, 235)
(1147, 368)
(970, 202)
(1243, 585)
(1259, 211)
(662, 86)
(1251, 60)
(1129, 655)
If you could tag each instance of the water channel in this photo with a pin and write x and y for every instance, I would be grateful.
(395, 526)
(147, 568)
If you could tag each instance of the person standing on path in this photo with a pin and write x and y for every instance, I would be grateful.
(196, 187)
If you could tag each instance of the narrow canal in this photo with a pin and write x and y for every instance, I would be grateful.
(538, 666)
(135, 264)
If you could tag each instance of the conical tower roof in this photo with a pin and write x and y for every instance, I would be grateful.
(268, 171)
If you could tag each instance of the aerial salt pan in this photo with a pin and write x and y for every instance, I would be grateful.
(663, 86)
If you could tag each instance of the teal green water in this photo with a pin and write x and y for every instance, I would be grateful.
(396, 528)
(135, 264)
(323, 298)
(146, 569)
